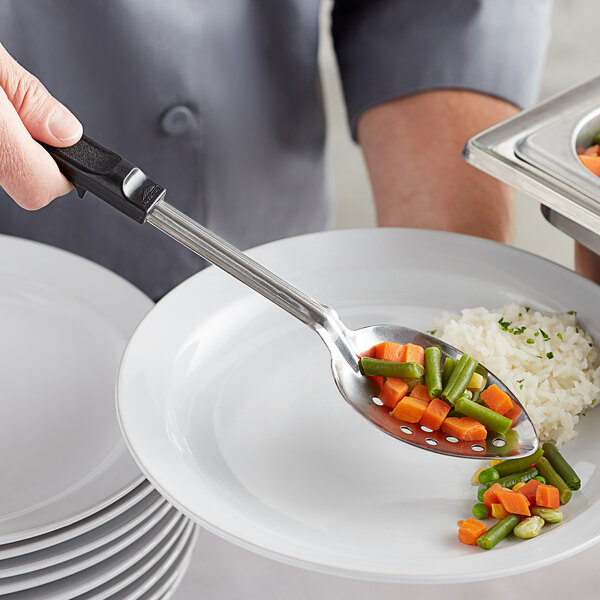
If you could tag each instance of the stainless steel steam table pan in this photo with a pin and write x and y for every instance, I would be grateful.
(536, 153)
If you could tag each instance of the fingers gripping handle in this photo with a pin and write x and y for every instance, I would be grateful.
(91, 167)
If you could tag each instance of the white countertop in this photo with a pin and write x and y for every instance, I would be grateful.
(221, 571)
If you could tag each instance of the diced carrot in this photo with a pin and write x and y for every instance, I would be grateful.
(529, 490)
(390, 351)
(514, 413)
(434, 414)
(465, 429)
(592, 150)
(378, 379)
(514, 503)
(421, 391)
(547, 496)
(496, 399)
(409, 409)
(393, 390)
(370, 353)
(591, 162)
(415, 353)
(470, 530)
(498, 511)
(490, 497)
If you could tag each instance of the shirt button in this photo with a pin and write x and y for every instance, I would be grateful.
(177, 120)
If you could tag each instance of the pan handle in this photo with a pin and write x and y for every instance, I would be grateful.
(91, 167)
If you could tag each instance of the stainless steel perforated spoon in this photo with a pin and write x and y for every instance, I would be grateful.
(91, 167)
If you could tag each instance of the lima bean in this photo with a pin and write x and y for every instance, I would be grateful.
(551, 515)
(529, 528)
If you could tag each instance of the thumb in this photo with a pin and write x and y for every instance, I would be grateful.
(44, 117)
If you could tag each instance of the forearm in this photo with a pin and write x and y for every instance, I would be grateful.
(412, 147)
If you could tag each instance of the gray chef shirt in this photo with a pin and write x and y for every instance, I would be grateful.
(220, 102)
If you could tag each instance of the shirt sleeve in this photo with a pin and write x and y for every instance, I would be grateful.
(391, 48)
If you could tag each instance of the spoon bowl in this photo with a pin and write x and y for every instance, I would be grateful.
(361, 393)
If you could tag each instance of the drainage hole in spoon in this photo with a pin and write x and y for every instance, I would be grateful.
(477, 448)
(498, 442)
(406, 430)
(431, 442)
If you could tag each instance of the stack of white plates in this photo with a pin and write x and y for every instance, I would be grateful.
(77, 517)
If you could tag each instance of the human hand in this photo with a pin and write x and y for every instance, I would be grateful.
(28, 113)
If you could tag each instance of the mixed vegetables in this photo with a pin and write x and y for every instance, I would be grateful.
(524, 494)
(455, 399)
(591, 156)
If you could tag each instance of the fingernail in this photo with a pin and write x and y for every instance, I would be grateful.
(63, 125)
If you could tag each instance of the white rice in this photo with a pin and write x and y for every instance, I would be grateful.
(554, 391)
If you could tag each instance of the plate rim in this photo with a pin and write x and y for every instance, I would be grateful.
(78, 528)
(171, 527)
(128, 530)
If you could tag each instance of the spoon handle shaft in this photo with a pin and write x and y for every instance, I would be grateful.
(323, 319)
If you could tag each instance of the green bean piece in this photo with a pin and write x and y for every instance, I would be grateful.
(460, 378)
(506, 467)
(509, 481)
(488, 475)
(477, 398)
(433, 371)
(596, 140)
(553, 478)
(388, 368)
(498, 532)
(480, 511)
(551, 515)
(541, 479)
(486, 416)
(449, 365)
(460, 364)
(529, 528)
(480, 492)
(561, 466)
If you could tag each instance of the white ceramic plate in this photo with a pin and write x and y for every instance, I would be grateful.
(124, 509)
(230, 408)
(148, 531)
(167, 574)
(162, 536)
(152, 567)
(64, 323)
(167, 585)
(94, 545)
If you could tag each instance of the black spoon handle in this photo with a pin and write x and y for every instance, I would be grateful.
(91, 167)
